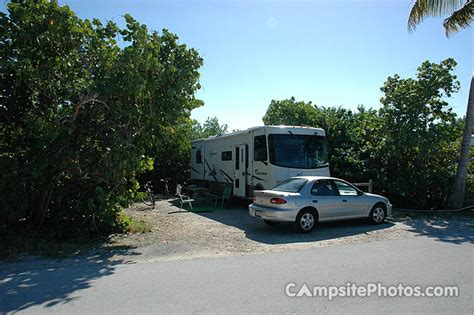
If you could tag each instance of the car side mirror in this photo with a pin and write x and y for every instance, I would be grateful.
(360, 193)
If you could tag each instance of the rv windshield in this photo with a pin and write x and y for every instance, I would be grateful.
(298, 151)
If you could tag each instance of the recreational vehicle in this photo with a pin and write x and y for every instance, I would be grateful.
(259, 158)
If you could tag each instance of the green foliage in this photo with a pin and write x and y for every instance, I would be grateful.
(418, 143)
(291, 112)
(211, 127)
(81, 116)
(408, 147)
(172, 154)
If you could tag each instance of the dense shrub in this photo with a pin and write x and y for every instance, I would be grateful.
(80, 115)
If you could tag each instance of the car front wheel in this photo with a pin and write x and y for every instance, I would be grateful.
(306, 220)
(378, 214)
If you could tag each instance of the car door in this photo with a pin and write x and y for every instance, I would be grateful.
(325, 197)
(351, 203)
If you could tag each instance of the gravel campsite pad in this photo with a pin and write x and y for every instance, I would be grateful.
(211, 231)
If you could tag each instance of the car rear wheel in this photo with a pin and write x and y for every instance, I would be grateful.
(271, 223)
(378, 214)
(306, 220)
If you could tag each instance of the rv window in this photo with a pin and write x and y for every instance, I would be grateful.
(298, 151)
(226, 156)
(198, 157)
(260, 148)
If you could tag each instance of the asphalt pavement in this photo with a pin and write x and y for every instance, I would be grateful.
(249, 283)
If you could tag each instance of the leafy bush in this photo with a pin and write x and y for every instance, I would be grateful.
(419, 138)
(81, 116)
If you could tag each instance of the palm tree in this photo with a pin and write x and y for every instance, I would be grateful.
(461, 15)
(456, 198)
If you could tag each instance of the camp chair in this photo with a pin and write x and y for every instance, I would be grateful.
(182, 198)
(224, 194)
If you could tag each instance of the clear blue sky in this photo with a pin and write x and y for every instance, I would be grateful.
(330, 52)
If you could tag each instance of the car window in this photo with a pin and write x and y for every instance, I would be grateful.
(291, 185)
(345, 189)
(324, 187)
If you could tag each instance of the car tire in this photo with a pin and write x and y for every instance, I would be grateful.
(306, 220)
(271, 223)
(378, 214)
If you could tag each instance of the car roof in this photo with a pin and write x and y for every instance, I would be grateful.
(310, 178)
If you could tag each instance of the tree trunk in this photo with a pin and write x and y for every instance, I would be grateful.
(456, 198)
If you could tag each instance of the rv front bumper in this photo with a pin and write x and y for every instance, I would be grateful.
(273, 214)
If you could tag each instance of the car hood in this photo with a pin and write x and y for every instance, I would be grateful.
(375, 196)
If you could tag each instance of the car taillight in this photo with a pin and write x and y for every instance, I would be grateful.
(278, 201)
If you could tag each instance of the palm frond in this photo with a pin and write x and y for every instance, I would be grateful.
(424, 8)
(461, 18)
(417, 14)
(442, 7)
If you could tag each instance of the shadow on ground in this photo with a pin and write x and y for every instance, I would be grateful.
(448, 227)
(51, 282)
(236, 214)
(451, 227)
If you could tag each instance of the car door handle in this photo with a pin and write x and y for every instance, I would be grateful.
(315, 201)
(344, 200)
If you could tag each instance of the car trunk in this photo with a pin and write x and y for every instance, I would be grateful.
(263, 198)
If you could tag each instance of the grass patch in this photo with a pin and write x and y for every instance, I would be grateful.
(139, 226)
(135, 224)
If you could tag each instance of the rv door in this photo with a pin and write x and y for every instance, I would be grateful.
(197, 161)
(240, 169)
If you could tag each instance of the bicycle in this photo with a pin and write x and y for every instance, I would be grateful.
(149, 199)
(166, 190)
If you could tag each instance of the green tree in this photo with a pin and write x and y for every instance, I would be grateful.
(290, 112)
(172, 156)
(211, 127)
(417, 139)
(461, 15)
(80, 116)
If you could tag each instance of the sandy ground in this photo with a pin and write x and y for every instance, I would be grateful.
(230, 230)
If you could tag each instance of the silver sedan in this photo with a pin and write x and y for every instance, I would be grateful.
(307, 200)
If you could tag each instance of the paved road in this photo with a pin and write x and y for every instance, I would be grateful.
(251, 283)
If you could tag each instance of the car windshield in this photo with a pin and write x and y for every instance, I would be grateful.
(291, 185)
(298, 151)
